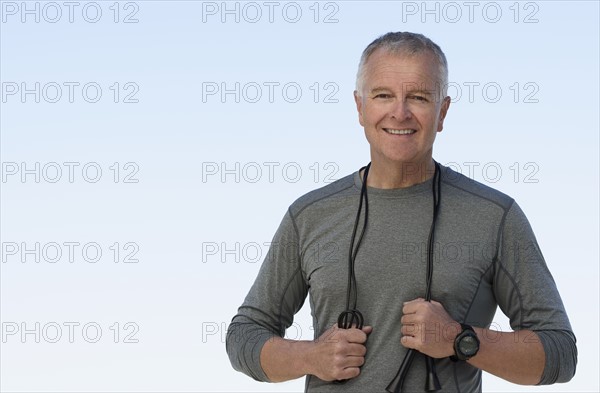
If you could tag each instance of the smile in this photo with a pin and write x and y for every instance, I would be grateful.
(399, 132)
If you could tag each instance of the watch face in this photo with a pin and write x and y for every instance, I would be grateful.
(469, 346)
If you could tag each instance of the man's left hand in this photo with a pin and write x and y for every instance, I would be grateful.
(427, 327)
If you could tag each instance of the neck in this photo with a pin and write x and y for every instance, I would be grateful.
(401, 175)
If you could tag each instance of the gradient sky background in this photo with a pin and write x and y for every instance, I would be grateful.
(193, 184)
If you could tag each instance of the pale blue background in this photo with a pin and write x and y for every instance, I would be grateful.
(182, 298)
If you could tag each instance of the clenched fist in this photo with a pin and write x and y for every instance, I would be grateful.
(338, 353)
(428, 328)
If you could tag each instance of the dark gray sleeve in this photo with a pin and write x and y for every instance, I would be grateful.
(527, 294)
(268, 310)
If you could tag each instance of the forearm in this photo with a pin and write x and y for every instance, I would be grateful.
(517, 356)
(283, 360)
(337, 354)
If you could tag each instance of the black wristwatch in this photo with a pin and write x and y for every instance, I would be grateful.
(466, 344)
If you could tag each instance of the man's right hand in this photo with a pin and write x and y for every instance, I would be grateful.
(338, 353)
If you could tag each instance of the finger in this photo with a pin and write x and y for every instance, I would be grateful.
(367, 329)
(409, 342)
(350, 336)
(356, 336)
(350, 372)
(353, 349)
(408, 319)
(417, 300)
(410, 307)
(409, 330)
(354, 361)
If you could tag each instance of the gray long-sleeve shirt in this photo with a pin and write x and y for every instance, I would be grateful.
(485, 254)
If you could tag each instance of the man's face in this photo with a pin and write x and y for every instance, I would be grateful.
(400, 108)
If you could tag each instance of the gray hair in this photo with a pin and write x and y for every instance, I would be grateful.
(405, 43)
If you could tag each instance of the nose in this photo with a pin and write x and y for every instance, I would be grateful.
(400, 110)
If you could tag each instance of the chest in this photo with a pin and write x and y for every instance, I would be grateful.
(391, 264)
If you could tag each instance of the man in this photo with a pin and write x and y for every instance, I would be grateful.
(484, 254)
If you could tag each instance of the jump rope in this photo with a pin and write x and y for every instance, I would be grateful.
(352, 317)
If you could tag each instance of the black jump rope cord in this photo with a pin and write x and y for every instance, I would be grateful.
(352, 316)
(432, 383)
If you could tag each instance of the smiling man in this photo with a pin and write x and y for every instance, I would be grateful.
(401, 105)
(419, 253)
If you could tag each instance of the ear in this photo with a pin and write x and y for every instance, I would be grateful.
(443, 112)
(359, 106)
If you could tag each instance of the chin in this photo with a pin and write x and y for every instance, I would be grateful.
(400, 158)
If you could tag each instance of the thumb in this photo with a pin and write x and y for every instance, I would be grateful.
(367, 329)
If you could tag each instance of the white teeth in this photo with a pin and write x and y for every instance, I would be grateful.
(399, 132)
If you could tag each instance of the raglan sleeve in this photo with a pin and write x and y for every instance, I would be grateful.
(528, 296)
(278, 292)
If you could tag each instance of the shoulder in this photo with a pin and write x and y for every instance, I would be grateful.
(473, 191)
(341, 188)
